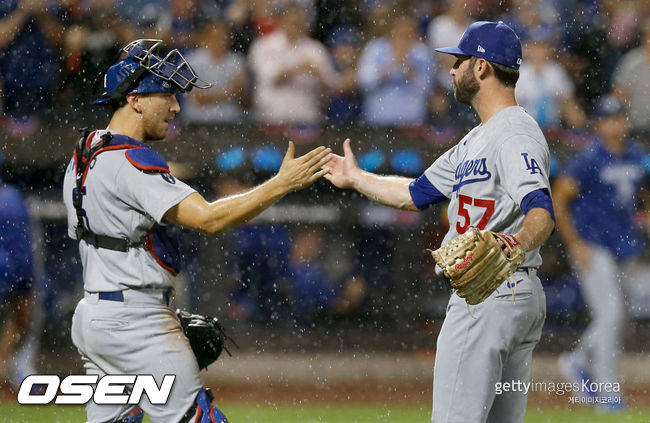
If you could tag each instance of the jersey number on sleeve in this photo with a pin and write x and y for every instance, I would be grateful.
(463, 201)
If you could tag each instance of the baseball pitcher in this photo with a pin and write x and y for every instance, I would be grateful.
(496, 182)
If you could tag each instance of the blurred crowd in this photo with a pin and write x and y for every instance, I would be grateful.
(314, 62)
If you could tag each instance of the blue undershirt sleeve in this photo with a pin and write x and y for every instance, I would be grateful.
(539, 198)
(424, 194)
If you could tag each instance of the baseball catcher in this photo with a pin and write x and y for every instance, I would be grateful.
(477, 262)
(121, 197)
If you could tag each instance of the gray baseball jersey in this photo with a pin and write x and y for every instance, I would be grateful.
(487, 177)
(122, 201)
(490, 171)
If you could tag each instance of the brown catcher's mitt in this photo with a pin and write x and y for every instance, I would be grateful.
(475, 263)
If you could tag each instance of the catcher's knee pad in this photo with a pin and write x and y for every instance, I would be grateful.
(135, 416)
(203, 411)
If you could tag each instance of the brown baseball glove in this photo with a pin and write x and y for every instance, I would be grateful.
(476, 264)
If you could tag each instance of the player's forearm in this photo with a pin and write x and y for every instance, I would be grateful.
(391, 191)
(230, 212)
(564, 191)
(536, 228)
(195, 213)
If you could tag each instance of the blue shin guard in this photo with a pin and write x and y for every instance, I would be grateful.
(135, 416)
(205, 411)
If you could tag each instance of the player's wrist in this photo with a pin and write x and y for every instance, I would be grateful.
(511, 239)
(277, 186)
(519, 240)
(356, 178)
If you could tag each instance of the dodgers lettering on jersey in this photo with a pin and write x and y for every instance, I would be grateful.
(123, 201)
(471, 171)
(487, 175)
(604, 208)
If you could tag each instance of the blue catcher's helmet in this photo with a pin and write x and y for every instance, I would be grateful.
(144, 71)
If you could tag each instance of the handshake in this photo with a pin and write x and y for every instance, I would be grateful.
(344, 172)
(297, 173)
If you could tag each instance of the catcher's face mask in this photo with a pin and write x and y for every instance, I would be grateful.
(144, 70)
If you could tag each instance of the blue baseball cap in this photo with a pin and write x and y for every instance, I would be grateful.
(493, 41)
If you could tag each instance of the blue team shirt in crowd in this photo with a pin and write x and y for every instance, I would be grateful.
(604, 208)
(16, 271)
(28, 68)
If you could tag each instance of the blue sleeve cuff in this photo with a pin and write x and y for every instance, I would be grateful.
(539, 198)
(424, 194)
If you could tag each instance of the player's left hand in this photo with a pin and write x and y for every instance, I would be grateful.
(476, 264)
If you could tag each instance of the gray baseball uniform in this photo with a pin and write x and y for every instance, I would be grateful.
(139, 334)
(486, 177)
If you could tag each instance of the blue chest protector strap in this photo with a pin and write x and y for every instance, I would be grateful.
(83, 156)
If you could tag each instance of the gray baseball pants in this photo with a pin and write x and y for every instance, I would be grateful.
(496, 345)
(602, 288)
(138, 336)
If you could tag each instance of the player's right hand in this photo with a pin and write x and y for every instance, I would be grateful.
(342, 170)
(300, 172)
